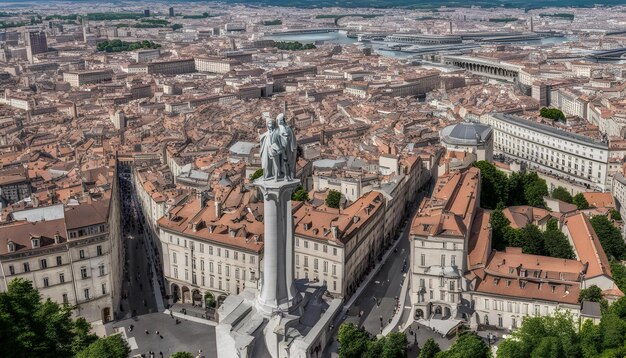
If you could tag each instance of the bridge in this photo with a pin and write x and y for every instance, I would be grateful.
(484, 67)
(302, 31)
(615, 53)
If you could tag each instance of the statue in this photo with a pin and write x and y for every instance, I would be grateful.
(270, 151)
(278, 150)
(288, 142)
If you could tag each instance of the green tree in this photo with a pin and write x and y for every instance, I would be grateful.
(533, 242)
(590, 339)
(580, 201)
(38, 328)
(556, 243)
(495, 185)
(619, 275)
(209, 300)
(593, 293)
(300, 194)
(257, 174)
(535, 189)
(554, 335)
(560, 193)
(499, 225)
(176, 27)
(430, 349)
(610, 236)
(552, 113)
(110, 347)
(182, 355)
(615, 215)
(375, 348)
(612, 331)
(333, 199)
(516, 189)
(394, 346)
(353, 341)
(468, 344)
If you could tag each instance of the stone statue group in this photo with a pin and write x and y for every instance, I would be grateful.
(278, 150)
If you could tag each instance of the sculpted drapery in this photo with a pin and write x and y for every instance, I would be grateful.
(278, 150)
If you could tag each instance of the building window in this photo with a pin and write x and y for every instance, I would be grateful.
(306, 261)
(83, 272)
(227, 270)
(334, 270)
(451, 285)
(12, 270)
(315, 264)
(193, 278)
(201, 265)
(59, 261)
(43, 264)
(26, 267)
(86, 291)
(65, 300)
(297, 260)
(306, 244)
(423, 260)
(61, 278)
(325, 266)
(443, 260)
(334, 251)
(486, 303)
(81, 254)
(315, 246)
(226, 254)
(186, 260)
(500, 321)
(46, 283)
(104, 288)
(235, 255)
(201, 248)
(210, 266)
(453, 260)
(219, 269)
(175, 272)
(252, 259)
(101, 269)
(219, 252)
(210, 250)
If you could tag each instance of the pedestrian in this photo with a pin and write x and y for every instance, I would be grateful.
(147, 332)
(131, 327)
(157, 332)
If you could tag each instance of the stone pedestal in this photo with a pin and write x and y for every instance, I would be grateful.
(276, 291)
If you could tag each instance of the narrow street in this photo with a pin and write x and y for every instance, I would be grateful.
(138, 288)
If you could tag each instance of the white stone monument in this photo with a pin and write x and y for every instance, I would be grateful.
(277, 319)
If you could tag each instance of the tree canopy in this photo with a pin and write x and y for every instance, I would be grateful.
(293, 46)
(580, 201)
(257, 174)
(333, 199)
(468, 344)
(110, 347)
(593, 293)
(300, 194)
(355, 342)
(610, 237)
(560, 193)
(118, 45)
(518, 189)
(182, 355)
(30, 326)
(430, 349)
(552, 113)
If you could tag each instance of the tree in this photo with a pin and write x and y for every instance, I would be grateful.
(535, 189)
(499, 225)
(333, 199)
(612, 330)
(593, 294)
(615, 215)
(430, 349)
(580, 201)
(110, 347)
(353, 341)
(590, 339)
(38, 328)
(176, 27)
(394, 345)
(554, 335)
(300, 194)
(619, 275)
(468, 344)
(610, 236)
(552, 113)
(557, 245)
(209, 300)
(257, 174)
(533, 242)
(495, 185)
(516, 189)
(182, 355)
(560, 193)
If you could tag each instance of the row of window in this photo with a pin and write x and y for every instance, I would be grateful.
(443, 260)
(316, 264)
(43, 263)
(316, 279)
(92, 230)
(499, 305)
(305, 244)
(211, 250)
(451, 283)
(221, 285)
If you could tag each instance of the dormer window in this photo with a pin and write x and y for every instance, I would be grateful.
(35, 242)
(522, 284)
(57, 238)
(508, 283)
(496, 281)
(11, 246)
(307, 226)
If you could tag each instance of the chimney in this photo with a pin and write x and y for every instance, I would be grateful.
(218, 209)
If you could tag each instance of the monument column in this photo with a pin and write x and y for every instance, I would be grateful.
(277, 290)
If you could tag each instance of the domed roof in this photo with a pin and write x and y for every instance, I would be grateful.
(467, 133)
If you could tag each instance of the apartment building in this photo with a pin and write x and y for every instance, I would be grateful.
(73, 255)
(79, 78)
(551, 150)
(214, 64)
(337, 247)
(211, 247)
(145, 55)
(172, 67)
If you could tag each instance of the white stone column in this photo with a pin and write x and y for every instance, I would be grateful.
(277, 290)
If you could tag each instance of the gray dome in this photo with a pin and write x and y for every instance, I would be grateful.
(466, 133)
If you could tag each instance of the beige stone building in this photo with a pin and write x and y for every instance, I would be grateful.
(72, 254)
